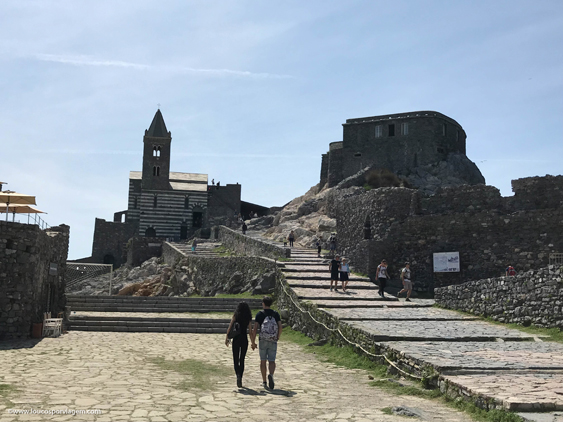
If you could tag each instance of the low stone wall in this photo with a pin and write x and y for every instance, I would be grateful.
(32, 275)
(535, 297)
(245, 245)
(139, 249)
(208, 276)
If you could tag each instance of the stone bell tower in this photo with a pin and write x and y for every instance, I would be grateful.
(156, 155)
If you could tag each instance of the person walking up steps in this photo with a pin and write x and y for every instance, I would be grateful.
(407, 283)
(241, 320)
(381, 275)
(344, 274)
(291, 238)
(270, 332)
(334, 268)
(194, 245)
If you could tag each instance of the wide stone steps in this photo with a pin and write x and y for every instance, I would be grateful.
(131, 324)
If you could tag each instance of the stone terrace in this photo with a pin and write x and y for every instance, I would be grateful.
(503, 366)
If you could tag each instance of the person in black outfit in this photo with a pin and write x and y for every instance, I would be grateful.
(244, 228)
(242, 316)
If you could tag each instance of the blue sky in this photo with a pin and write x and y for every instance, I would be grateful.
(254, 91)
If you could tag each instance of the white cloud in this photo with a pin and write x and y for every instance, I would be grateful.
(89, 61)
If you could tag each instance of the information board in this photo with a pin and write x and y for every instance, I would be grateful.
(446, 262)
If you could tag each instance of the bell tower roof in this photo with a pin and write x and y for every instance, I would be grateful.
(157, 128)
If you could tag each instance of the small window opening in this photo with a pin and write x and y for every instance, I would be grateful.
(444, 129)
(378, 131)
(358, 154)
(155, 201)
(392, 130)
(404, 129)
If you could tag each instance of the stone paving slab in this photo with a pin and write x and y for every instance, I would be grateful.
(325, 284)
(391, 303)
(486, 356)
(400, 314)
(325, 275)
(349, 295)
(148, 315)
(113, 372)
(444, 330)
(518, 392)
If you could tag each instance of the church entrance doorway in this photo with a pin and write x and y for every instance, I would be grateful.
(109, 259)
(150, 232)
(184, 231)
(197, 220)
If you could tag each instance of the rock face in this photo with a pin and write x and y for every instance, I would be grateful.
(533, 297)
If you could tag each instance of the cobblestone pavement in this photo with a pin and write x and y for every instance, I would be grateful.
(484, 359)
(113, 372)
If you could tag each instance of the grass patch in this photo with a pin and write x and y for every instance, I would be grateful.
(223, 251)
(203, 375)
(481, 415)
(360, 274)
(6, 391)
(387, 411)
(285, 259)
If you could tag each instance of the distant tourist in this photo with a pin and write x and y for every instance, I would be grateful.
(381, 275)
(407, 281)
(344, 273)
(213, 182)
(334, 268)
(240, 322)
(510, 271)
(332, 242)
(270, 331)
(244, 228)
(319, 248)
(291, 238)
(194, 245)
(218, 183)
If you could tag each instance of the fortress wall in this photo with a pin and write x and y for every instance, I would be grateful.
(245, 245)
(537, 192)
(534, 297)
(32, 275)
(473, 220)
(110, 239)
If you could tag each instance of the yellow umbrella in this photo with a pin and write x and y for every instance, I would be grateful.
(8, 198)
(21, 209)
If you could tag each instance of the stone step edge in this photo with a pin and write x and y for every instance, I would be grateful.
(156, 319)
(151, 329)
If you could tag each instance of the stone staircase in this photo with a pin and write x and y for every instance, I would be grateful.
(151, 314)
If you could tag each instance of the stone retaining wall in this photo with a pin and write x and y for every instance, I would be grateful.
(32, 275)
(245, 245)
(535, 297)
(208, 276)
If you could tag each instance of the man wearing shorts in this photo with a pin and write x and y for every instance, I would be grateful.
(270, 331)
(407, 283)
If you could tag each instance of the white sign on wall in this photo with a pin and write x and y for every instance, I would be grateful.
(446, 262)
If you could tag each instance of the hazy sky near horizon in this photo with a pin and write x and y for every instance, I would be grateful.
(253, 91)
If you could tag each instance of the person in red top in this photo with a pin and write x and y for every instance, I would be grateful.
(510, 271)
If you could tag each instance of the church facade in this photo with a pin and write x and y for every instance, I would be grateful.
(163, 204)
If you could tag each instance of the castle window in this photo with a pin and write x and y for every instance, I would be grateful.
(155, 201)
(358, 154)
(378, 131)
(392, 130)
(404, 128)
(187, 202)
(156, 171)
(444, 129)
(156, 151)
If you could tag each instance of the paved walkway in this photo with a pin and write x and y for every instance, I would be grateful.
(484, 359)
(116, 373)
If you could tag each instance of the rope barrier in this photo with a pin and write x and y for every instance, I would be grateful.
(348, 341)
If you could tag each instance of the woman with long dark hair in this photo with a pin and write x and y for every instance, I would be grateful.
(241, 320)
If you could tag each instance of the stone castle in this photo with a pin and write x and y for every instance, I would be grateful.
(417, 145)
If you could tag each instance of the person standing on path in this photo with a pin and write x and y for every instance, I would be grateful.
(510, 271)
(240, 322)
(344, 274)
(381, 275)
(332, 241)
(319, 247)
(406, 279)
(291, 238)
(244, 228)
(334, 268)
(194, 245)
(270, 332)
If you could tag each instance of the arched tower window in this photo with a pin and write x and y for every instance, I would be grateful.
(158, 150)
(156, 171)
(155, 201)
